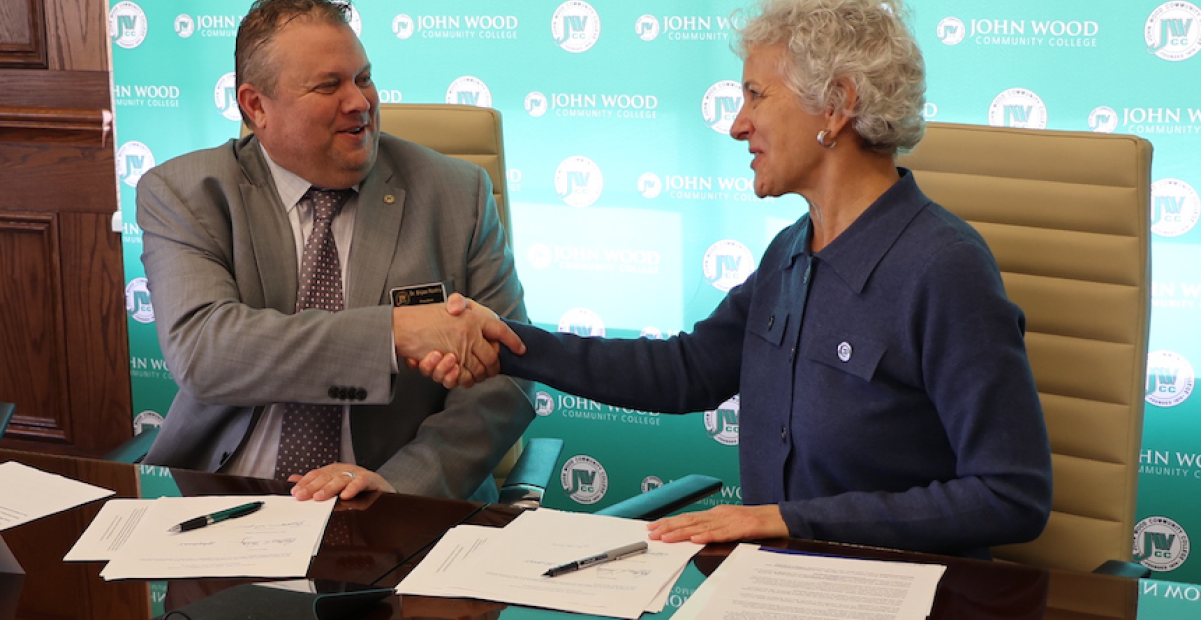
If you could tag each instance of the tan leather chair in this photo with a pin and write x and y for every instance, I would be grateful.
(1067, 217)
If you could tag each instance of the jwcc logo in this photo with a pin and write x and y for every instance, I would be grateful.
(1160, 544)
(584, 479)
(578, 180)
(576, 26)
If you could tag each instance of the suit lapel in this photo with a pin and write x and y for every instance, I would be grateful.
(270, 231)
(376, 234)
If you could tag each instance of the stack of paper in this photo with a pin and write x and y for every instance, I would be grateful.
(507, 565)
(758, 582)
(277, 541)
(27, 494)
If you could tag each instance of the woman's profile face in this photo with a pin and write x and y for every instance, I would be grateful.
(780, 134)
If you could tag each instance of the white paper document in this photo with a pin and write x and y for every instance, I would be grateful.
(109, 531)
(27, 494)
(277, 541)
(507, 565)
(754, 583)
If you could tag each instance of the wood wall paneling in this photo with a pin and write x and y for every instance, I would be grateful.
(77, 35)
(32, 333)
(63, 336)
(22, 34)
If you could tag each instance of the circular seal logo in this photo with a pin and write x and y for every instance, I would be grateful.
(352, 17)
(225, 97)
(951, 31)
(721, 424)
(469, 90)
(1017, 107)
(1160, 544)
(650, 332)
(544, 404)
(535, 104)
(649, 185)
(184, 26)
(721, 104)
(1103, 119)
(575, 26)
(1172, 31)
(143, 421)
(403, 26)
(1170, 378)
(582, 322)
(539, 255)
(650, 483)
(727, 264)
(1175, 207)
(647, 27)
(133, 160)
(127, 24)
(137, 301)
(584, 479)
(578, 180)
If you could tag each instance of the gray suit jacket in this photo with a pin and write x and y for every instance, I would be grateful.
(221, 265)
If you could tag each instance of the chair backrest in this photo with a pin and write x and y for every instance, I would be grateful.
(1067, 217)
(466, 132)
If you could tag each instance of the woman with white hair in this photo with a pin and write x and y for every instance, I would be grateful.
(886, 396)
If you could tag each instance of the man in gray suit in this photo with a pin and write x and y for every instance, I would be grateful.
(227, 233)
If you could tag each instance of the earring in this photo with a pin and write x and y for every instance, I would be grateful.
(821, 139)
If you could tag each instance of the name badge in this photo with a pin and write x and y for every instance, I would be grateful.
(416, 295)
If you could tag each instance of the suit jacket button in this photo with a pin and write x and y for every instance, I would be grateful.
(360, 394)
(333, 391)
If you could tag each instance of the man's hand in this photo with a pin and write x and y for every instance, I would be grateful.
(337, 480)
(444, 366)
(470, 340)
(721, 524)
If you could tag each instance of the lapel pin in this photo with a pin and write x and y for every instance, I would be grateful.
(389, 199)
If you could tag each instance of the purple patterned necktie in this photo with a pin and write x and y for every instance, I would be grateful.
(311, 435)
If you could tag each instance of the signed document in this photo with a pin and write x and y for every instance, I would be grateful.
(277, 541)
(27, 494)
(507, 565)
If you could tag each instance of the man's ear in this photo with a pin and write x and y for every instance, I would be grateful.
(250, 99)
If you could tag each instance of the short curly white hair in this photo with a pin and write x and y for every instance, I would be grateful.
(863, 41)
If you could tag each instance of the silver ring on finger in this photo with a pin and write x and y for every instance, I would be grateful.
(349, 474)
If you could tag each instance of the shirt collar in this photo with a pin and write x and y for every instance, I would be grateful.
(854, 254)
(290, 187)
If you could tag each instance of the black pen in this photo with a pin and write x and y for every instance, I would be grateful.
(216, 517)
(600, 558)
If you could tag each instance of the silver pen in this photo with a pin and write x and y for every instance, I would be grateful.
(600, 558)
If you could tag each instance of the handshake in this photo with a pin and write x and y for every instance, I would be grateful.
(456, 343)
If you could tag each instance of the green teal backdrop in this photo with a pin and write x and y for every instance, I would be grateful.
(632, 208)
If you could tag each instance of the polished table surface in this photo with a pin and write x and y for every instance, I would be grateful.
(378, 538)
